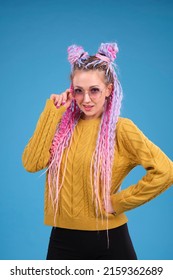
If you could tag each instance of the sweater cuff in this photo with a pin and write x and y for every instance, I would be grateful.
(116, 200)
(51, 106)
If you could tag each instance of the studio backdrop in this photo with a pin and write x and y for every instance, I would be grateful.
(34, 36)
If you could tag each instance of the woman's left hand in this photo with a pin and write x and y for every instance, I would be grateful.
(108, 206)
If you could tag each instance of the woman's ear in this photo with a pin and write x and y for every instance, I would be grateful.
(109, 89)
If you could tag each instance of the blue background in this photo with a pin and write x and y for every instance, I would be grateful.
(34, 37)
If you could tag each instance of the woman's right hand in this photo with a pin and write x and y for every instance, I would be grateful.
(63, 99)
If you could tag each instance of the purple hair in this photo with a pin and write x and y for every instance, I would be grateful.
(102, 159)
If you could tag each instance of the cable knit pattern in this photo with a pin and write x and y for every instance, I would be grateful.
(76, 205)
(141, 151)
(36, 154)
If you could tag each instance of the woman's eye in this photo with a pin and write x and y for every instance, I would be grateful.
(78, 91)
(95, 90)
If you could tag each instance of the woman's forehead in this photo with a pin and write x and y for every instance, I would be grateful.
(88, 77)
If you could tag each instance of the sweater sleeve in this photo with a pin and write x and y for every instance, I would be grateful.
(36, 154)
(159, 168)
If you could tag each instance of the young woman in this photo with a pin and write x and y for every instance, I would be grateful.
(88, 150)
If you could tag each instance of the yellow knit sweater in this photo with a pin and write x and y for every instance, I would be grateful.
(76, 207)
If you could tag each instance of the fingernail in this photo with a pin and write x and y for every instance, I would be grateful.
(63, 102)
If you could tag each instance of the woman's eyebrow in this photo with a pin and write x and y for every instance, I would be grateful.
(89, 87)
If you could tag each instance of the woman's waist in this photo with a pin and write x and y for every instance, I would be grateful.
(84, 222)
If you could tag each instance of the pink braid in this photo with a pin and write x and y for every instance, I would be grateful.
(62, 140)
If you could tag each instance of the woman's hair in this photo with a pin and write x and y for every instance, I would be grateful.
(102, 159)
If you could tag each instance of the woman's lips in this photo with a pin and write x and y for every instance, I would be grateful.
(88, 107)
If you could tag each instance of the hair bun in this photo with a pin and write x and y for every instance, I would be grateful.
(74, 53)
(109, 50)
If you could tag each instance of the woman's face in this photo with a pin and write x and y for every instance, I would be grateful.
(90, 91)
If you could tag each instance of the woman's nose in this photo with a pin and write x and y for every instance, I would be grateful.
(86, 97)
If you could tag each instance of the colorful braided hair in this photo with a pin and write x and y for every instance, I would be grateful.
(102, 159)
